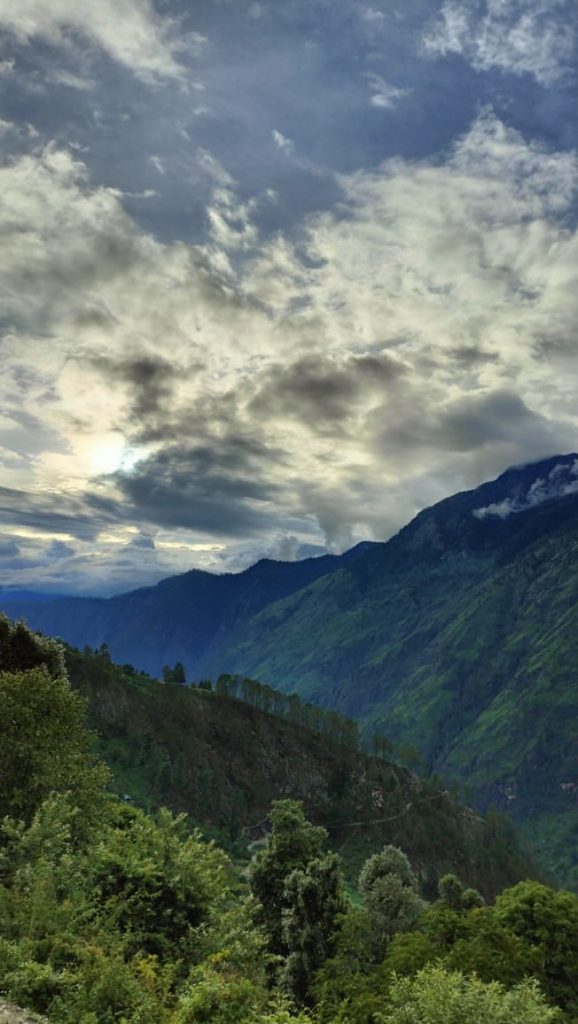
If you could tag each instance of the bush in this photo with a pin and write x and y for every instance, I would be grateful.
(436, 996)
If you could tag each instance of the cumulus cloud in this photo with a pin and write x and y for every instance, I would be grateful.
(536, 37)
(433, 257)
(131, 32)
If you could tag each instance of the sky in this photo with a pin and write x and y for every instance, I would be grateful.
(275, 274)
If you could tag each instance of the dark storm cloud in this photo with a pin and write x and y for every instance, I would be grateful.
(150, 379)
(470, 423)
(217, 488)
(321, 393)
(55, 513)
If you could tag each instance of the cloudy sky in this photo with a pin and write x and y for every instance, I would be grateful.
(275, 274)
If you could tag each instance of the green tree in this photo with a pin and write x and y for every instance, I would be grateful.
(299, 890)
(21, 649)
(486, 948)
(314, 900)
(292, 845)
(547, 920)
(45, 745)
(179, 676)
(158, 882)
(436, 996)
(455, 897)
(390, 891)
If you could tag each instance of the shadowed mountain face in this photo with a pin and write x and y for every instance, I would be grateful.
(458, 635)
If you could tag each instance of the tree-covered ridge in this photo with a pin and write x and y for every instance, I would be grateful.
(222, 753)
(112, 916)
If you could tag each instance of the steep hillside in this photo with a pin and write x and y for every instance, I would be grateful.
(460, 636)
(223, 761)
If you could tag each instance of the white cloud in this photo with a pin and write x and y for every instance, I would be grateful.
(70, 80)
(129, 31)
(560, 482)
(372, 16)
(465, 269)
(158, 164)
(282, 142)
(519, 36)
(384, 94)
(422, 326)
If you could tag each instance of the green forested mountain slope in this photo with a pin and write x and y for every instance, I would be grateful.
(460, 637)
(222, 761)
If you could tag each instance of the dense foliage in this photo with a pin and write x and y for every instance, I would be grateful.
(252, 744)
(109, 915)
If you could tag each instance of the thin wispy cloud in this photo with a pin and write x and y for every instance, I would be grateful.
(384, 94)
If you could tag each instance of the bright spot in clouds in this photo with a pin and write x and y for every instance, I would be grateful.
(283, 320)
(109, 454)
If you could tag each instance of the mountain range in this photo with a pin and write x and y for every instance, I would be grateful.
(458, 635)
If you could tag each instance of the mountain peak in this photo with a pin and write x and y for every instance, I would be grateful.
(523, 487)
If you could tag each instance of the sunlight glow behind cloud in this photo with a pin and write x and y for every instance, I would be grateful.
(235, 335)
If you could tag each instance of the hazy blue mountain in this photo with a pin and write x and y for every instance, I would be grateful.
(176, 620)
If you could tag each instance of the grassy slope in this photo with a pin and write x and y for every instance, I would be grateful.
(222, 762)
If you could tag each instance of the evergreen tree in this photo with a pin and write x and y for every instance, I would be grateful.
(292, 845)
(390, 891)
(314, 899)
(179, 676)
(300, 894)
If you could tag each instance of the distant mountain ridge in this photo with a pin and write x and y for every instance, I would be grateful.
(459, 635)
(181, 617)
(176, 619)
